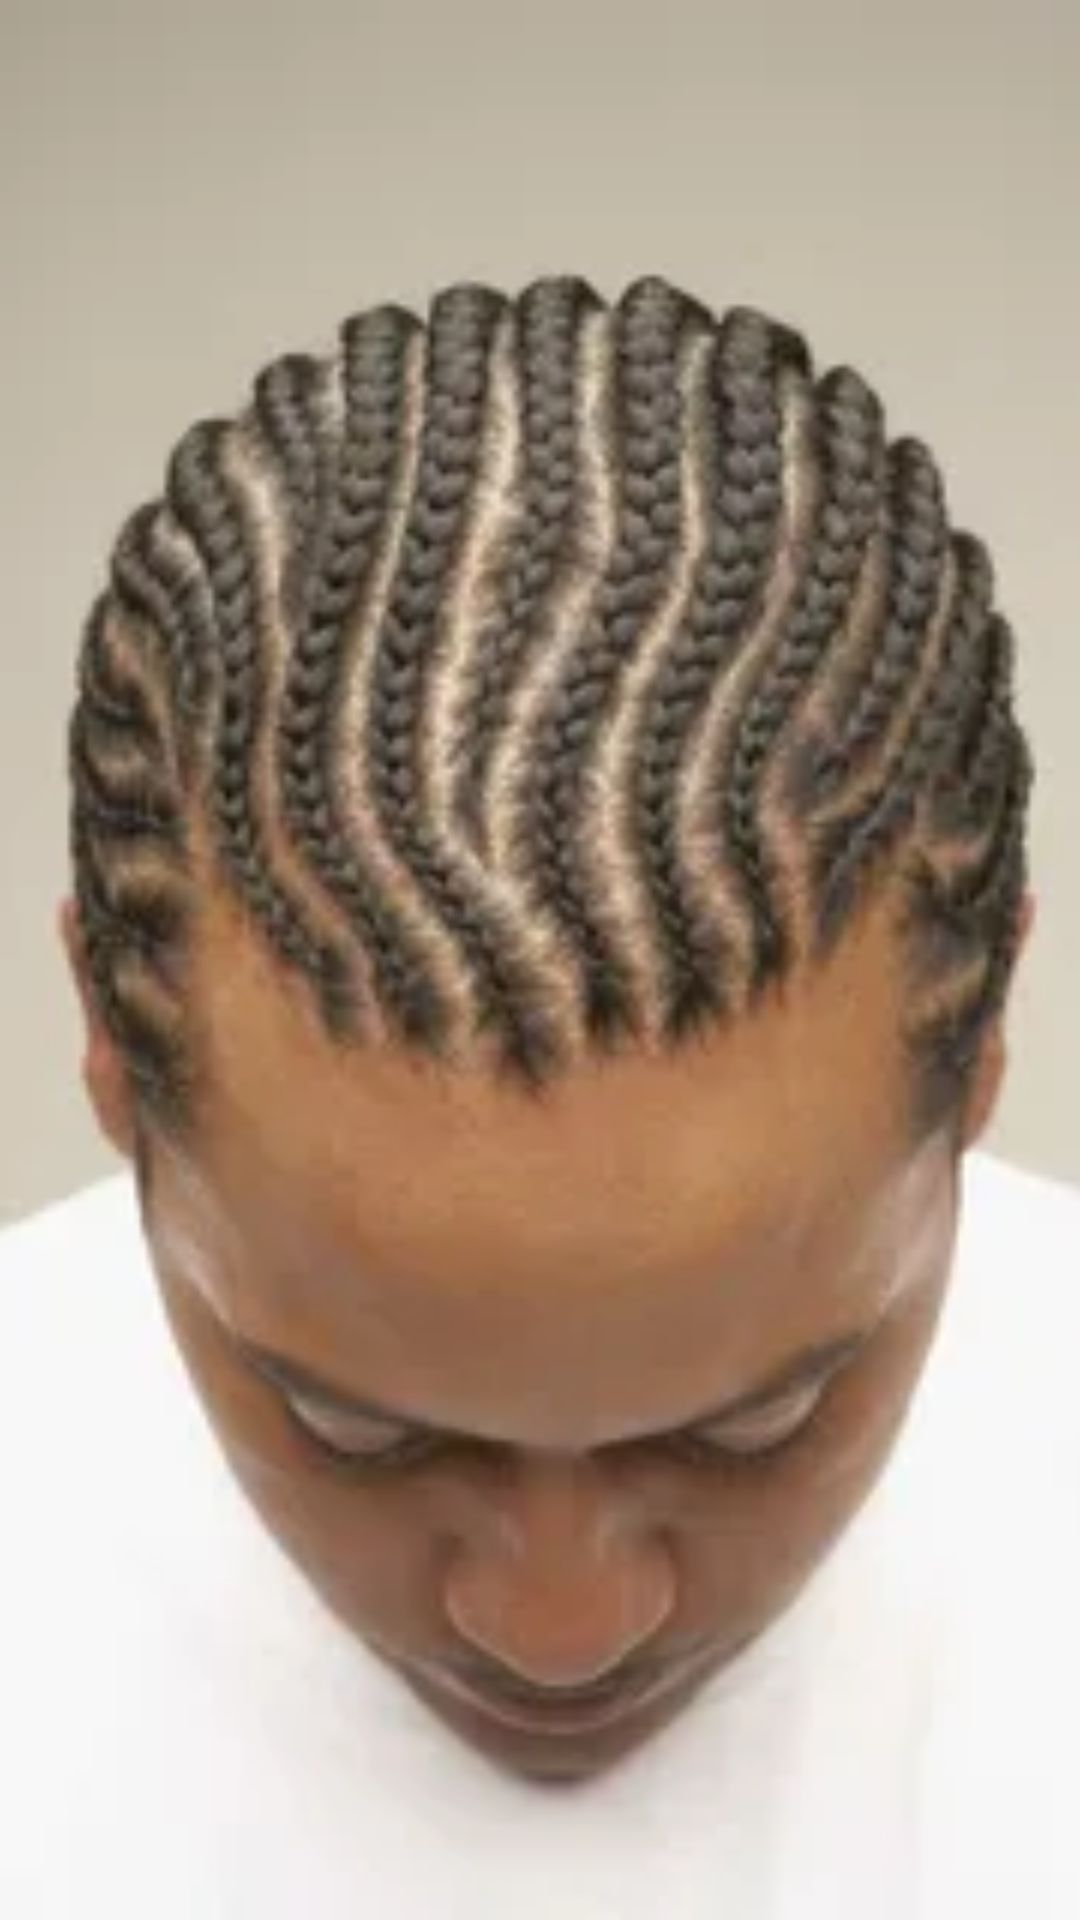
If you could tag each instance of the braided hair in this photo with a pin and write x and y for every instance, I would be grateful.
(547, 676)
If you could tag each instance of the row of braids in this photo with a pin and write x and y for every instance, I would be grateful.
(848, 451)
(550, 317)
(971, 867)
(917, 535)
(743, 435)
(329, 543)
(462, 332)
(648, 336)
(126, 801)
(338, 480)
(209, 503)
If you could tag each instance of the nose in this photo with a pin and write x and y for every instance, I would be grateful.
(565, 1587)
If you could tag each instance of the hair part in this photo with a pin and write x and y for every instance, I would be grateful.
(543, 678)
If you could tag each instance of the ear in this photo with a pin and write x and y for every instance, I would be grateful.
(994, 1064)
(103, 1071)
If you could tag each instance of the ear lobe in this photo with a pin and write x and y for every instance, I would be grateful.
(104, 1073)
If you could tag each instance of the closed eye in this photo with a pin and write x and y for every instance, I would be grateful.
(767, 1430)
(348, 1437)
(382, 1443)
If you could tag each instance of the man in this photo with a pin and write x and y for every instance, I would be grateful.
(549, 841)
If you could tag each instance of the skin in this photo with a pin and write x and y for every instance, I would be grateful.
(566, 1286)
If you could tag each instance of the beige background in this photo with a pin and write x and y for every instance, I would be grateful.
(187, 189)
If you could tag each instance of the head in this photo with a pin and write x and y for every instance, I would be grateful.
(549, 845)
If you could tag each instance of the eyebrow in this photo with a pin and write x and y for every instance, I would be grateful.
(809, 1368)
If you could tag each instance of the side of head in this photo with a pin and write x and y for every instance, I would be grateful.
(547, 800)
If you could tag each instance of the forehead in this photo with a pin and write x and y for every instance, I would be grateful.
(787, 1109)
(400, 1226)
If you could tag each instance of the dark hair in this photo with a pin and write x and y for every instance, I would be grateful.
(544, 676)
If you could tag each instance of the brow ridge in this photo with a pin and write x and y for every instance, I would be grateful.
(814, 1364)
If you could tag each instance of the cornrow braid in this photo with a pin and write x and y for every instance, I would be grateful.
(984, 750)
(918, 541)
(918, 546)
(492, 542)
(356, 500)
(461, 335)
(288, 407)
(649, 326)
(156, 1059)
(119, 765)
(982, 911)
(850, 449)
(748, 362)
(549, 319)
(163, 595)
(110, 698)
(207, 504)
(991, 779)
(947, 800)
(870, 832)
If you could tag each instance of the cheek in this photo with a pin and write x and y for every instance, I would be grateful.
(359, 1547)
(761, 1529)
(818, 1491)
(361, 1544)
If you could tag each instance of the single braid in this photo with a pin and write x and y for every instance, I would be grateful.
(981, 910)
(867, 835)
(917, 534)
(166, 597)
(289, 406)
(850, 434)
(461, 333)
(747, 364)
(374, 350)
(119, 771)
(205, 500)
(985, 745)
(649, 325)
(946, 802)
(156, 1056)
(110, 696)
(991, 790)
(119, 759)
(131, 803)
(549, 317)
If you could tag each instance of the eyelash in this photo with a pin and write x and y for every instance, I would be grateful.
(690, 1446)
